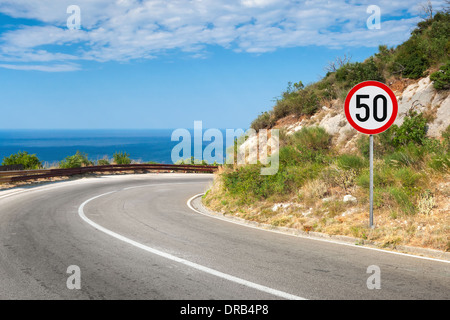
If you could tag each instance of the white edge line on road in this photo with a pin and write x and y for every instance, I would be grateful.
(216, 273)
(305, 237)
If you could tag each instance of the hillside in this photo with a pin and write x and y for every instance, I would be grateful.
(323, 178)
(426, 53)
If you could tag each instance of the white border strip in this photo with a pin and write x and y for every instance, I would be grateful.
(306, 237)
(216, 273)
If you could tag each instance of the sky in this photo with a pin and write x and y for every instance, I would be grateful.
(130, 64)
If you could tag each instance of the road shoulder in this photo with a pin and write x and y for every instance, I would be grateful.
(196, 204)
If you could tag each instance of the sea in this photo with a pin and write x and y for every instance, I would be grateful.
(52, 146)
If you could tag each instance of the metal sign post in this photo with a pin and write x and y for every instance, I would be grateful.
(372, 226)
(371, 108)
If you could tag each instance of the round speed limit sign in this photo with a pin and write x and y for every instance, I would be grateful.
(371, 107)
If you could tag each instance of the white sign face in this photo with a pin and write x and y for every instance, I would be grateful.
(371, 107)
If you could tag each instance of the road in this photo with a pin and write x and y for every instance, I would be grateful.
(134, 237)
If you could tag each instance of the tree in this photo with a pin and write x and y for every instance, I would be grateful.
(427, 10)
(338, 62)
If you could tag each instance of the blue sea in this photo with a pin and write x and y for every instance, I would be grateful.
(52, 146)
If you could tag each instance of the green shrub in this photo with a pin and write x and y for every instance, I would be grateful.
(428, 45)
(78, 160)
(408, 156)
(246, 182)
(408, 178)
(296, 100)
(282, 109)
(312, 138)
(289, 156)
(440, 162)
(413, 130)
(263, 121)
(400, 145)
(325, 89)
(103, 162)
(382, 177)
(441, 78)
(411, 59)
(382, 143)
(335, 177)
(349, 161)
(314, 156)
(403, 200)
(446, 139)
(310, 144)
(121, 158)
(298, 175)
(29, 161)
(353, 73)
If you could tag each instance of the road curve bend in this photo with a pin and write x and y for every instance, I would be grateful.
(134, 237)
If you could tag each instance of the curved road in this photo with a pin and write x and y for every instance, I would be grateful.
(134, 237)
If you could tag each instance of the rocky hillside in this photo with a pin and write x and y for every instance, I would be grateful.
(418, 71)
(322, 182)
(419, 95)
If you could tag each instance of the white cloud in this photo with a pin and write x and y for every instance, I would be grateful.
(46, 68)
(122, 30)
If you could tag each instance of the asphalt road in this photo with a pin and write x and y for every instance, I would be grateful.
(134, 237)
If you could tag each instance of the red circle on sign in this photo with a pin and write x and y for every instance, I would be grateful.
(384, 88)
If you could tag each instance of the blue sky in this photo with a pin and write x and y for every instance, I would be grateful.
(164, 64)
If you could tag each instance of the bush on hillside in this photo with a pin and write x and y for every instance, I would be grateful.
(413, 130)
(441, 78)
(103, 162)
(428, 45)
(313, 138)
(299, 102)
(263, 121)
(351, 162)
(29, 161)
(411, 59)
(77, 160)
(353, 73)
(121, 158)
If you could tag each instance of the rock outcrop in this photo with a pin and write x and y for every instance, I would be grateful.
(420, 96)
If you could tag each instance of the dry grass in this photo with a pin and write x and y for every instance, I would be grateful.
(428, 228)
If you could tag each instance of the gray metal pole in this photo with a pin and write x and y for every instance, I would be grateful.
(372, 226)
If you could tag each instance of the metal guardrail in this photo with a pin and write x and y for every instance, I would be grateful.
(11, 167)
(26, 175)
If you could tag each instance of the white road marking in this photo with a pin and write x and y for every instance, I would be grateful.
(199, 267)
(306, 237)
(196, 266)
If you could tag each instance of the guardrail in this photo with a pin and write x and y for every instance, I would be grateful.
(12, 167)
(26, 175)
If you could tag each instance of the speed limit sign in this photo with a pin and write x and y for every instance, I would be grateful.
(371, 107)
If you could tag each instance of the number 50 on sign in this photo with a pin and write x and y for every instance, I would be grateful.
(371, 107)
